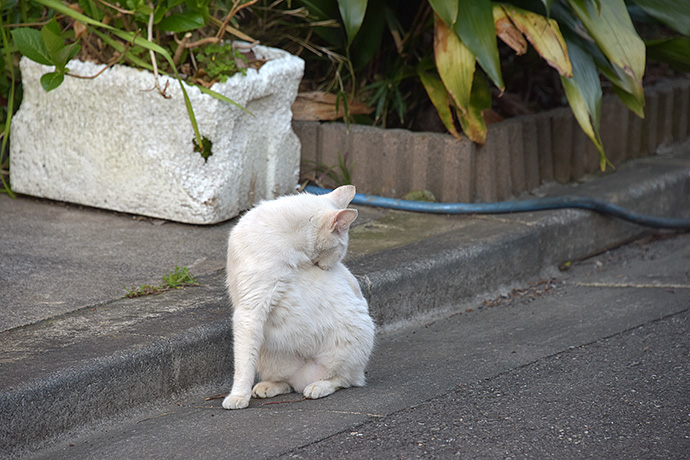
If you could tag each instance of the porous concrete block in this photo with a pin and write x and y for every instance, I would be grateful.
(562, 144)
(112, 142)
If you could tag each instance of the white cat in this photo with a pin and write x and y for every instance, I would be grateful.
(300, 321)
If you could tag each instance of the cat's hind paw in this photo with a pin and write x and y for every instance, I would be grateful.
(319, 389)
(267, 389)
(235, 401)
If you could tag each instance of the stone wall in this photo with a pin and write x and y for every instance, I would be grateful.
(520, 153)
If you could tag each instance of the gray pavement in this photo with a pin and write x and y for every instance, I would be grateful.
(593, 363)
(81, 365)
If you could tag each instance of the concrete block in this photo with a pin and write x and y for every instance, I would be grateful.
(332, 139)
(110, 143)
(544, 146)
(562, 144)
(308, 134)
(635, 125)
(486, 171)
(648, 142)
(530, 148)
(420, 156)
(396, 161)
(498, 139)
(364, 144)
(579, 158)
(516, 156)
(457, 169)
(614, 129)
(665, 115)
(681, 107)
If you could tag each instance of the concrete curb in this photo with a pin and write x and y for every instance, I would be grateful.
(520, 153)
(94, 364)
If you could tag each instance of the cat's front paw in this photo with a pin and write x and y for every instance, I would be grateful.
(319, 389)
(267, 389)
(235, 401)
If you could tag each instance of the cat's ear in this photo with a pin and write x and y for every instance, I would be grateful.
(341, 220)
(342, 195)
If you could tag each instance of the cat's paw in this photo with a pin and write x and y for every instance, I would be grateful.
(235, 401)
(319, 389)
(270, 389)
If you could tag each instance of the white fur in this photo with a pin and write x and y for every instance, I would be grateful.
(300, 321)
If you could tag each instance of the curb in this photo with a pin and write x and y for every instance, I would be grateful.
(520, 153)
(97, 364)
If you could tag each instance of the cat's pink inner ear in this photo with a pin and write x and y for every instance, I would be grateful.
(342, 195)
(341, 220)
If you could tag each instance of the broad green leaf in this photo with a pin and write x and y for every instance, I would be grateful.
(472, 121)
(630, 101)
(475, 27)
(352, 13)
(52, 39)
(613, 31)
(628, 89)
(52, 80)
(583, 91)
(65, 54)
(446, 10)
(368, 40)
(544, 34)
(181, 22)
(439, 97)
(30, 44)
(673, 51)
(455, 64)
(673, 13)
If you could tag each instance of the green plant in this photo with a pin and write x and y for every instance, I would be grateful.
(134, 31)
(221, 61)
(173, 280)
(179, 277)
(339, 174)
(451, 50)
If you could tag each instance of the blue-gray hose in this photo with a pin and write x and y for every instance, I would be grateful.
(504, 207)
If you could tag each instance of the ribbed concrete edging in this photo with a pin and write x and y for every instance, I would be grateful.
(185, 340)
(520, 153)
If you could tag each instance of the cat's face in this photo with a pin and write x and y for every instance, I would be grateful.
(328, 227)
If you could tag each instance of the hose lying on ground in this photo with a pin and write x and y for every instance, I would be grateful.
(504, 207)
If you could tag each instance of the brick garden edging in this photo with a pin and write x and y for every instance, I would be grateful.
(520, 153)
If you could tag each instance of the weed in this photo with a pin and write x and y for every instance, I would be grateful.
(340, 174)
(180, 277)
(206, 147)
(222, 61)
(174, 280)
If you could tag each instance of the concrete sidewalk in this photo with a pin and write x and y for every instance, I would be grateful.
(75, 353)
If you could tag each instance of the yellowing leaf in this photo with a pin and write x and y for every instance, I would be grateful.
(506, 31)
(544, 34)
(439, 97)
(455, 64)
(472, 121)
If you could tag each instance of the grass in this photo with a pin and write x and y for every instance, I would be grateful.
(173, 280)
